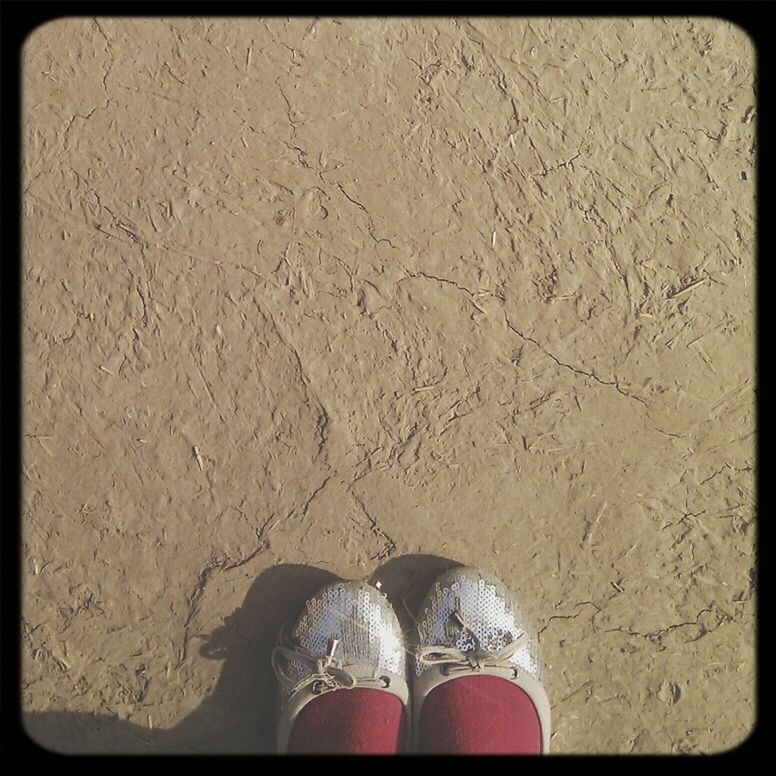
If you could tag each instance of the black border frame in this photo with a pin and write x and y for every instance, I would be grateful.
(18, 18)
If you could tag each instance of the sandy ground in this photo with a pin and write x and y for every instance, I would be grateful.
(305, 298)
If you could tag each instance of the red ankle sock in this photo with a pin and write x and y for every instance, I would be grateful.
(358, 721)
(479, 715)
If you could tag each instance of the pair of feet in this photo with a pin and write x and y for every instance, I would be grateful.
(473, 683)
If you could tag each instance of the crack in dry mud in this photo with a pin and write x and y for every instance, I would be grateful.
(612, 383)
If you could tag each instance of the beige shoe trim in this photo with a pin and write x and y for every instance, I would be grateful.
(288, 713)
(433, 678)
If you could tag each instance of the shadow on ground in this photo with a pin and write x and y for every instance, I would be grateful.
(238, 717)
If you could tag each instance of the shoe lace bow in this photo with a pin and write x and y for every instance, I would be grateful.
(326, 673)
(452, 660)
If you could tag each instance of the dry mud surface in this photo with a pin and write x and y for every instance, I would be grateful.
(319, 297)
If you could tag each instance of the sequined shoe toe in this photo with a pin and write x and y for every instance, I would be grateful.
(470, 625)
(347, 636)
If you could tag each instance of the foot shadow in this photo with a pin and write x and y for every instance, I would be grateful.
(238, 717)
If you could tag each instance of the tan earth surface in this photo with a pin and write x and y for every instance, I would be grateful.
(318, 297)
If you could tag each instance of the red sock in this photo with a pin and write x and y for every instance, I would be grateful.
(479, 715)
(358, 721)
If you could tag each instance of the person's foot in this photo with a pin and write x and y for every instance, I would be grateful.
(478, 678)
(342, 675)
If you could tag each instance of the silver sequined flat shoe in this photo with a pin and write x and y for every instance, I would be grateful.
(470, 625)
(347, 636)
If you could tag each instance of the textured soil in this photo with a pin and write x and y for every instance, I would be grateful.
(319, 297)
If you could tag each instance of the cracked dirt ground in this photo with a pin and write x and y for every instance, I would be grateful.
(332, 292)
